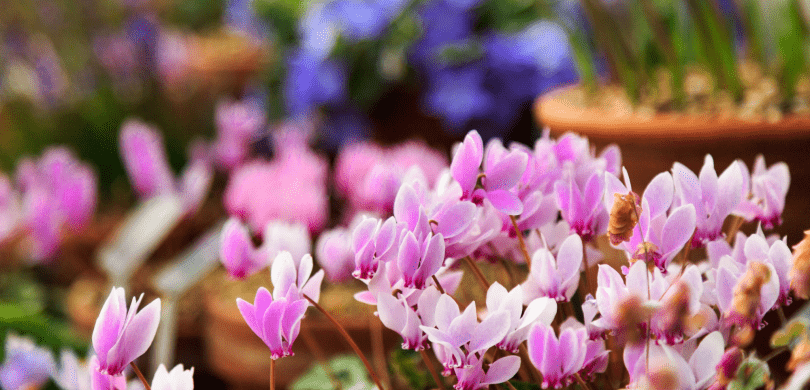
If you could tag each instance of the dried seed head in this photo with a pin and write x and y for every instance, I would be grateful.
(631, 314)
(623, 217)
(800, 272)
(800, 354)
(645, 251)
(728, 365)
(675, 311)
(745, 302)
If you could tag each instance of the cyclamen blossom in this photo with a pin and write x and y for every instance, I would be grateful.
(713, 197)
(9, 208)
(276, 321)
(238, 123)
(418, 261)
(148, 167)
(764, 191)
(120, 335)
(582, 207)
(237, 253)
(294, 281)
(176, 379)
(396, 314)
(539, 310)
(558, 359)
(472, 376)
(334, 253)
(556, 278)
(373, 242)
(101, 381)
(698, 373)
(658, 237)
(502, 171)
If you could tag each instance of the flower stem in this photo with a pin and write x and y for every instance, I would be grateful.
(432, 369)
(774, 353)
(782, 318)
(521, 242)
(477, 272)
(349, 339)
(510, 386)
(272, 374)
(438, 285)
(581, 382)
(140, 376)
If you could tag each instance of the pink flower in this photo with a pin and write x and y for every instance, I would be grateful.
(540, 310)
(398, 315)
(334, 253)
(295, 280)
(582, 207)
(237, 253)
(556, 278)
(557, 359)
(698, 373)
(277, 322)
(373, 242)
(764, 191)
(237, 123)
(418, 261)
(120, 335)
(713, 198)
(176, 379)
(101, 381)
(472, 376)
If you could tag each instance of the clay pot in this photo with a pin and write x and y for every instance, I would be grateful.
(237, 355)
(651, 143)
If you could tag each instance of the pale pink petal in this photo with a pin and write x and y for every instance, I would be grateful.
(659, 193)
(507, 172)
(489, 332)
(502, 370)
(505, 202)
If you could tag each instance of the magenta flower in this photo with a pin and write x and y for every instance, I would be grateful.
(120, 335)
(282, 236)
(294, 281)
(418, 261)
(556, 278)
(145, 159)
(237, 253)
(277, 322)
(398, 315)
(334, 253)
(9, 208)
(502, 172)
(540, 310)
(764, 191)
(238, 123)
(713, 198)
(557, 359)
(176, 379)
(582, 208)
(698, 373)
(472, 376)
(101, 381)
(373, 242)
(658, 237)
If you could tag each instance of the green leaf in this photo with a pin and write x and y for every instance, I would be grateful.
(751, 375)
(786, 335)
(348, 369)
(407, 366)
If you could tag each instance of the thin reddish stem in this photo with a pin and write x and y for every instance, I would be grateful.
(477, 272)
(140, 376)
(432, 369)
(272, 374)
(521, 242)
(351, 342)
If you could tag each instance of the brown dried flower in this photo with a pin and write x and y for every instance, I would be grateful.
(800, 272)
(623, 217)
(800, 355)
(744, 305)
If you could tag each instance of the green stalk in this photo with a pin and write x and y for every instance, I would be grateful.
(584, 61)
(667, 47)
(717, 43)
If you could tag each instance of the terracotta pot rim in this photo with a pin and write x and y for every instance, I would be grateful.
(554, 112)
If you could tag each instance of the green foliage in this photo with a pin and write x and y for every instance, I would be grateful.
(524, 385)
(348, 369)
(407, 365)
(789, 333)
(751, 375)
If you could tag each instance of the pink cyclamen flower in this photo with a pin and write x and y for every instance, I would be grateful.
(120, 335)
(502, 172)
(101, 381)
(9, 208)
(176, 379)
(556, 278)
(557, 359)
(334, 253)
(694, 369)
(396, 314)
(237, 253)
(659, 236)
(373, 242)
(418, 261)
(582, 208)
(472, 376)
(764, 191)
(540, 310)
(238, 123)
(295, 280)
(276, 321)
(713, 197)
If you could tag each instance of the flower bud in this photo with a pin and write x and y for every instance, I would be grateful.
(800, 272)
(623, 217)
(728, 365)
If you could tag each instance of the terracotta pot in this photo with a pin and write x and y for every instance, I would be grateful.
(651, 143)
(237, 355)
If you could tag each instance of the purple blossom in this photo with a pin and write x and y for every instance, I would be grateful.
(557, 359)
(458, 95)
(334, 253)
(294, 280)
(582, 208)
(101, 381)
(657, 237)
(713, 198)
(764, 191)
(556, 277)
(238, 124)
(727, 276)
(26, 365)
(472, 376)
(539, 310)
(418, 260)
(120, 335)
(502, 171)
(398, 315)
(312, 81)
(697, 373)
(373, 241)
(596, 356)
(237, 253)
(276, 321)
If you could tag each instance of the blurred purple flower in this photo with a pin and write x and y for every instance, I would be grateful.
(237, 253)
(26, 365)
(457, 95)
(764, 191)
(312, 81)
(557, 359)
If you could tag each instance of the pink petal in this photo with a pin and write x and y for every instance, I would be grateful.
(271, 325)
(283, 274)
(140, 332)
(406, 206)
(507, 172)
(659, 194)
(569, 257)
(678, 230)
(432, 258)
(729, 191)
(709, 183)
(249, 314)
(446, 311)
(467, 161)
(505, 202)
(489, 332)
(502, 370)
(408, 256)
(109, 322)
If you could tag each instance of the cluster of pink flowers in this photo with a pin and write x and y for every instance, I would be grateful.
(49, 197)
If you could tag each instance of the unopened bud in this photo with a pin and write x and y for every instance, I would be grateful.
(729, 363)
(623, 217)
(800, 272)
